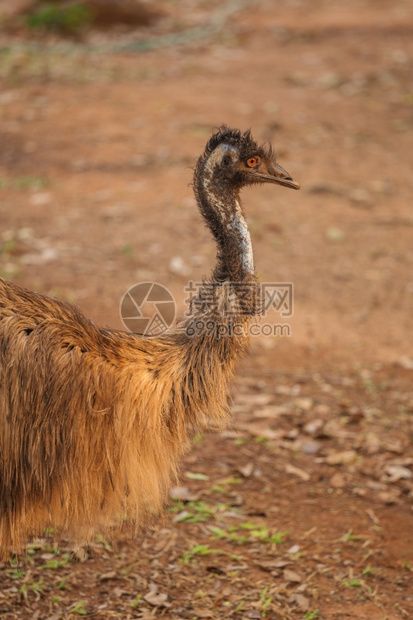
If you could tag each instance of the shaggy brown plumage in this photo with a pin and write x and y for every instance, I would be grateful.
(93, 421)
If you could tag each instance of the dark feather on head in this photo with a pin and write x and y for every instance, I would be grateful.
(244, 142)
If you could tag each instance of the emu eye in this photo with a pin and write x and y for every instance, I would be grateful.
(252, 162)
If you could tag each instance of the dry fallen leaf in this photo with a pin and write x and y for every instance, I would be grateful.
(373, 516)
(296, 471)
(268, 565)
(260, 430)
(406, 362)
(286, 390)
(145, 615)
(372, 443)
(106, 576)
(338, 481)
(355, 414)
(246, 470)
(200, 612)
(304, 403)
(397, 472)
(389, 497)
(291, 576)
(313, 427)
(155, 598)
(82, 554)
(311, 447)
(294, 549)
(254, 400)
(393, 445)
(273, 411)
(182, 494)
(301, 601)
(119, 592)
(341, 458)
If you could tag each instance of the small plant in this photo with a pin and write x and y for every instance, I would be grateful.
(29, 182)
(262, 533)
(66, 19)
(23, 591)
(262, 439)
(37, 586)
(240, 441)
(230, 481)
(127, 250)
(217, 488)
(265, 602)
(101, 540)
(55, 564)
(16, 573)
(192, 475)
(193, 512)
(352, 583)
(312, 615)
(196, 511)
(137, 601)
(229, 535)
(49, 530)
(63, 583)
(7, 248)
(246, 533)
(79, 608)
(203, 550)
(349, 536)
(198, 438)
(34, 586)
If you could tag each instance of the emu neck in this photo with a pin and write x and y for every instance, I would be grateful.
(222, 212)
(239, 230)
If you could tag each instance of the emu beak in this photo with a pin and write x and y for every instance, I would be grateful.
(277, 174)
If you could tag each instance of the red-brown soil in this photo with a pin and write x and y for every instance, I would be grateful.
(303, 509)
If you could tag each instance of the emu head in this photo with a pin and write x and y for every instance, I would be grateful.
(233, 159)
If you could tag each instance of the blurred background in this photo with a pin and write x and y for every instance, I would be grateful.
(105, 106)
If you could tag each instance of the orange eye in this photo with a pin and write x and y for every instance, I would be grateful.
(252, 162)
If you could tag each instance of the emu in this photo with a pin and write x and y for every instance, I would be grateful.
(93, 421)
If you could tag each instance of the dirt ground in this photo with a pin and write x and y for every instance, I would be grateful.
(303, 509)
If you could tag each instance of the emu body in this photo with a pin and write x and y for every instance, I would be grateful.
(93, 421)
